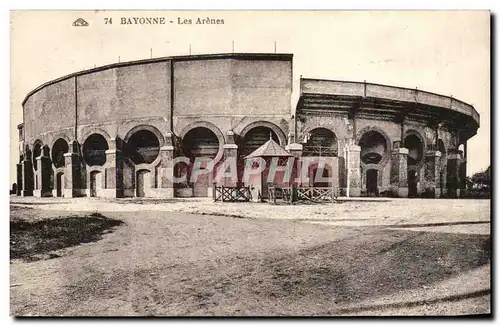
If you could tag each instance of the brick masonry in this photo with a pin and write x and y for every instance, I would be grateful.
(228, 94)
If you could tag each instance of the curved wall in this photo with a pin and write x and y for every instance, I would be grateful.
(230, 94)
(230, 91)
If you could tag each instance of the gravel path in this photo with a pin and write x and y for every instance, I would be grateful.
(160, 262)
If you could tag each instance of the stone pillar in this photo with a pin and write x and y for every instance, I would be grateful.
(113, 187)
(353, 170)
(72, 178)
(431, 174)
(43, 171)
(453, 174)
(19, 170)
(27, 172)
(399, 170)
(462, 177)
(296, 150)
(230, 153)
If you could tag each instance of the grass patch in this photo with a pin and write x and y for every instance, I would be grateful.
(35, 240)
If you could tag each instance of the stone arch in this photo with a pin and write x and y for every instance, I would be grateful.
(415, 133)
(150, 128)
(94, 130)
(37, 151)
(94, 149)
(59, 148)
(388, 146)
(337, 131)
(55, 137)
(213, 128)
(204, 124)
(323, 137)
(63, 135)
(132, 151)
(261, 123)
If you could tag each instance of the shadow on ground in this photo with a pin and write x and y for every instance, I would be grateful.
(322, 280)
(317, 280)
(374, 265)
(31, 240)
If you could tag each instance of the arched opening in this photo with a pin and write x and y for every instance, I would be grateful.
(95, 183)
(37, 151)
(58, 150)
(415, 149)
(373, 147)
(321, 142)
(143, 147)
(199, 142)
(94, 150)
(255, 138)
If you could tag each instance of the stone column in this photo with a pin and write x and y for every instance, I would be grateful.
(230, 153)
(354, 170)
(431, 175)
(296, 150)
(399, 170)
(44, 169)
(72, 178)
(113, 187)
(27, 172)
(164, 172)
(19, 170)
(462, 177)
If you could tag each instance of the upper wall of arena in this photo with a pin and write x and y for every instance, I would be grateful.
(169, 94)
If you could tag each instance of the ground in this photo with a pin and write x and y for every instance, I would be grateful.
(195, 257)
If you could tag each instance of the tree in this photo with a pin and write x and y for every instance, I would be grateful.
(482, 179)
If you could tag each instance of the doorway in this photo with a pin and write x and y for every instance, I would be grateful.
(143, 183)
(412, 183)
(59, 184)
(200, 186)
(95, 183)
(372, 182)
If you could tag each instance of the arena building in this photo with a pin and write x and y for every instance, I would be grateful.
(115, 131)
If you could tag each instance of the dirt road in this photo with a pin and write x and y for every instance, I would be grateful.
(166, 264)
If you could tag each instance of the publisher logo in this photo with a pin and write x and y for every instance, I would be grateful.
(80, 22)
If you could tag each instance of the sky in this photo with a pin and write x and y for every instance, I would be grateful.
(445, 52)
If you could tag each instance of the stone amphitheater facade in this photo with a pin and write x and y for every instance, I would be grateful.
(114, 131)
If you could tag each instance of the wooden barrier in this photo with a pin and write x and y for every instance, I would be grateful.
(293, 194)
(232, 194)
